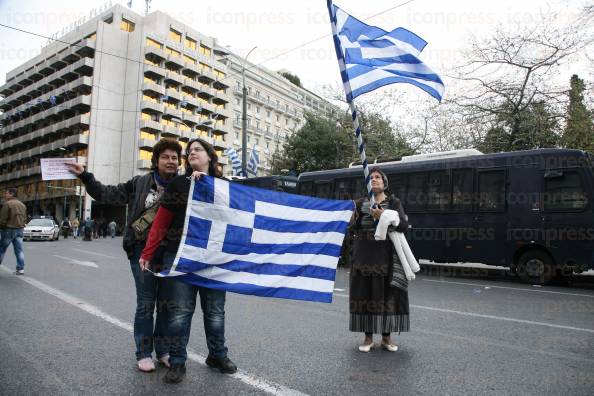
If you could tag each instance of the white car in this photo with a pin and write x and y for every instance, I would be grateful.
(41, 229)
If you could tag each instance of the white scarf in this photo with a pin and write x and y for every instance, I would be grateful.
(407, 259)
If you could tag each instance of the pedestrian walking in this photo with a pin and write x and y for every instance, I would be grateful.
(112, 228)
(142, 194)
(66, 225)
(378, 299)
(12, 223)
(75, 225)
(201, 159)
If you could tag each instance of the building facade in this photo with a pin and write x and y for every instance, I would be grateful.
(275, 109)
(105, 92)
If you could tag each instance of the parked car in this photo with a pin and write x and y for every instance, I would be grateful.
(41, 229)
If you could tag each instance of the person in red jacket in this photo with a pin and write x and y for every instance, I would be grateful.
(201, 159)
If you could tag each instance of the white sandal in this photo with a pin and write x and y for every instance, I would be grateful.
(389, 347)
(365, 347)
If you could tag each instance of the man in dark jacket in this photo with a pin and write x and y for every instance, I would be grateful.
(12, 222)
(141, 193)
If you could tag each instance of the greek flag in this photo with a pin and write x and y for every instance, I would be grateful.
(373, 57)
(253, 241)
(252, 166)
(235, 161)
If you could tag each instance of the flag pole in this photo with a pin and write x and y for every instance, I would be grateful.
(350, 100)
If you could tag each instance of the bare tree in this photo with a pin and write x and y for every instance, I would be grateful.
(512, 69)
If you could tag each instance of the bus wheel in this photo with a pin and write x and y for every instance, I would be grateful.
(536, 267)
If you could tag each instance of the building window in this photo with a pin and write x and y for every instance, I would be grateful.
(174, 36)
(153, 43)
(109, 20)
(204, 50)
(189, 59)
(145, 155)
(191, 43)
(92, 36)
(172, 52)
(126, 25)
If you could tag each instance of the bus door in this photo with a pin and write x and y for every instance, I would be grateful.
(485, 242)
(567, 216)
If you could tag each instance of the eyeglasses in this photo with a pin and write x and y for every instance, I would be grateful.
(195, 149)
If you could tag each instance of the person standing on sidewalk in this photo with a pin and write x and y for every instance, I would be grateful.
(12, 221)
(142, 194)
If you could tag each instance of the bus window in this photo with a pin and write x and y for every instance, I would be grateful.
(360, 189)
(438, 192)
(416, 197)
(564, 191)
(322, 190)
(491, 188)
(343, 189)
(397, 185)
(462, 189)
(305, 188)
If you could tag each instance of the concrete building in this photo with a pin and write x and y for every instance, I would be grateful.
(275, 109)
(105, 93)
(107, 90)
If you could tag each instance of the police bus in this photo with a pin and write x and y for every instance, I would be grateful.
(275, 182)
(531, 211)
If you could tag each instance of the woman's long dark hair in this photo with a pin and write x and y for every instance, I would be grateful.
(213, 166)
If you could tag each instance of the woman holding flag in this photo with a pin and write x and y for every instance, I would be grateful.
(378, 300)
(201, 159)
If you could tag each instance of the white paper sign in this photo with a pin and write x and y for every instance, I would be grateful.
(56, 169)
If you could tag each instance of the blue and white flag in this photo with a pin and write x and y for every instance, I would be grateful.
(235, 161)
(252, 166)
(373, 57)
(253, 241)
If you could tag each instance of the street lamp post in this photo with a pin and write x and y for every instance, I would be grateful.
(244, 118)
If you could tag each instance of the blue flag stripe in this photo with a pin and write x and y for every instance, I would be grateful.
(250, 194)
(393, 80)
(310, 271)
(302, 248)
(242, 288)
(280, 225)
(360, 69)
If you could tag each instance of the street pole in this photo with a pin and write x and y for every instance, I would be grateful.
(244, 119)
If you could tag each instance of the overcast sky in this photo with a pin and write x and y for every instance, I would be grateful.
(293, 35)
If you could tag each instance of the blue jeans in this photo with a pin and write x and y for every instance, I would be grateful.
(14, 236)
(148, 333)
(181, 302)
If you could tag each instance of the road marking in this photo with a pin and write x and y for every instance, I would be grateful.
(261, 384)
(511, 288)
(96, 254)
(78, 262)
(555, 326)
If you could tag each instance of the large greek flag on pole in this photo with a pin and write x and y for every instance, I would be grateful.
(266, 243)
(374, 58)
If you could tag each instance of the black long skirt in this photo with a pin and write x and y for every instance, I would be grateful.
(374, 305)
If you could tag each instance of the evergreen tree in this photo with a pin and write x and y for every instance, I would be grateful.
(579, 131)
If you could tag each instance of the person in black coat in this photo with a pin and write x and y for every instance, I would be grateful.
(141, 193)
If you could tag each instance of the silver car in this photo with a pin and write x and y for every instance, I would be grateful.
(42, 230)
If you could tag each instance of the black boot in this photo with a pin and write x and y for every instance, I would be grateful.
(225, 365)
(175, 374)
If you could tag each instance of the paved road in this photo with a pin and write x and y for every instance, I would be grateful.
(66, 329)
